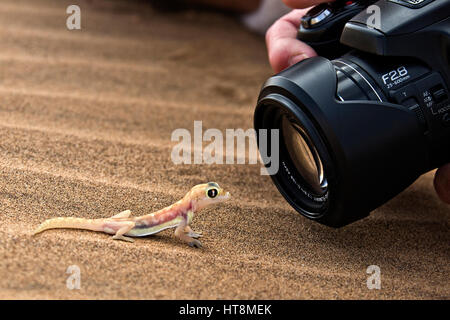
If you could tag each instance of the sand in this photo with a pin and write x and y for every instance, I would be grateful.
(86, 119)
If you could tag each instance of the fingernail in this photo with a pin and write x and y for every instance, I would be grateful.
(294, 59)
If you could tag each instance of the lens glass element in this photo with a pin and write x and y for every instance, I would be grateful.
(304, 156)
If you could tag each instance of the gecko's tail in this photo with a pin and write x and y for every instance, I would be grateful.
(71, 223)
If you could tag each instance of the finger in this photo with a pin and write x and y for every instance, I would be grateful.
(299, 4)
(442, 183)
(283, 47)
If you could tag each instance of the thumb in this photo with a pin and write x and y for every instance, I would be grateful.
(283, 47)
(442, 183)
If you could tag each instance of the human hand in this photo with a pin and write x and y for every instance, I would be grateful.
(285, 50)
(283, 47)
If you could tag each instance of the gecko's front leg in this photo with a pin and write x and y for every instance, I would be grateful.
(192, 233)
(179, 233)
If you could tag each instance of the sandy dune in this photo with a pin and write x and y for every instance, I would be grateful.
(85, 121)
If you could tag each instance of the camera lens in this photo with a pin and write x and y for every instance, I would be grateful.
(304, 155)
(344, 150)
(305, 174)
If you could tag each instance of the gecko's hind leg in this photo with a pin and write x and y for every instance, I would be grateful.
(127, 226)
(179, 233)
(191, 233)
(123, 214)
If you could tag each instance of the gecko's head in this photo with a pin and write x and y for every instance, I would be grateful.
(206, 194)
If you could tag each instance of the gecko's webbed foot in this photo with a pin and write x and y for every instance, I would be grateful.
(195, 235)
(195, 243)
(182, 232)
(120, 237)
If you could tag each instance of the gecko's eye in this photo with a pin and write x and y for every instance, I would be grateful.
(212, 193)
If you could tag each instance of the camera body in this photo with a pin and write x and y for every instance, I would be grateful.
(369, 122)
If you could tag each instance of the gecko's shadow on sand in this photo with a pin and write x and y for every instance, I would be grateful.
(166, 238)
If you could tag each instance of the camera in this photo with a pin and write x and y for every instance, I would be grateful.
(362, 121)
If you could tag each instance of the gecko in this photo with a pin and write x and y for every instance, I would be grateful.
(123, 227)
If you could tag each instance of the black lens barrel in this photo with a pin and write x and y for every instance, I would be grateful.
(371, 149)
